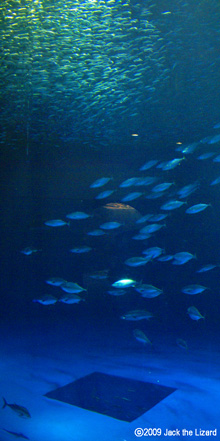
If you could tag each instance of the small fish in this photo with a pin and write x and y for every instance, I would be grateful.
(46, 300)
(187, 190)
(206, 155)
(117, 292)
(151, 228)
(131, 196)
(29, 250)
(172, 205)
(165, 258)
(96, 233)
(70, 298)
(144, 218)
(77, 215)
(110, 225)
(56, 223)
(136, 315)
(17, 434)
(197, 208)
(71, 287)
(182, 257)
(100, 275)
(141, 236)
(148, 291)
(141, 336)
(153, 252)
(158, 217)
(100, 182)
(124, 283)
(148, 164)
(207, 267)
(216, 126)
(214, 139)
(193, 289)
(216, 181)
(81, 249)
(182, 344)
(128, 182)
(137, 261)
(169, 165)
(104, 194)
(55, 281)
(162, 187)
(20, 410)
(194, 313)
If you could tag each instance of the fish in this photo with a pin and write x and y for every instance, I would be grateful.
(148, 164)
(81, 249)
(110, 225)
(128, 182)
(206, 268)
(21, 411)
(55, 281)
(71, 287)
(136, 315)
(77, 215)
(124, 283)
(17, 434)
(151, 228)
(193, 289)
(100, 182)
(194, 313)
(131, 196)
(70, 298)
(153, 252)
(29, 250)
(182, 344)
(46, 300)
(141, 336)
(56, 223)
(197, 208)
(104, 194)
(169, 165)
(172, 205)
(165, 258)
(216, 181)
(148, 291)
(137, 261)
(187, 190)
(214, 139)
(96, 232)
(162, 187)
(144, 218)
(206, 155)
(100, 275)
(117, 292)
(182, 257)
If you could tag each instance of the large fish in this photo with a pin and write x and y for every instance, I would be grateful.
(20, 410)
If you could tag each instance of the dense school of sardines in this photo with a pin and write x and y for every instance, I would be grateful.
(70, 292)
(70, 67)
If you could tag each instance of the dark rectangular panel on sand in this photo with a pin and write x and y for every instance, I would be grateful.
(121, 398)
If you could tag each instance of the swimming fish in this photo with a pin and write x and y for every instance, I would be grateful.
(141, 336)
(151, 228)
(124, 283)
(104, 194)
(110, 225)
(136, 315)
(100, 182)
(153, 252)
(197, 208)
(81, 249)
(117, 292)
(70, 298)
(46, 300)
(137, 261)
(20, 410)
(55, 281)
(193, 289)
(17, 434)
(131, 196)
(207, 267)
(29, 250)
(148, 164)
(172, 205)
(77, 215)
(194, 313)
(56, 223)
(71, 287)
(182, 257)
(148, 291)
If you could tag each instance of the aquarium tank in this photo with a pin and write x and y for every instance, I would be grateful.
(110, 231)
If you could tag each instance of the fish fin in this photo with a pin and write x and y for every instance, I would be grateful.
(5, 403)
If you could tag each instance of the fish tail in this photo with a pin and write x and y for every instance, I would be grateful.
(5, 403)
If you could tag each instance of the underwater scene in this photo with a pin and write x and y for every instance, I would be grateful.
(110, 220)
